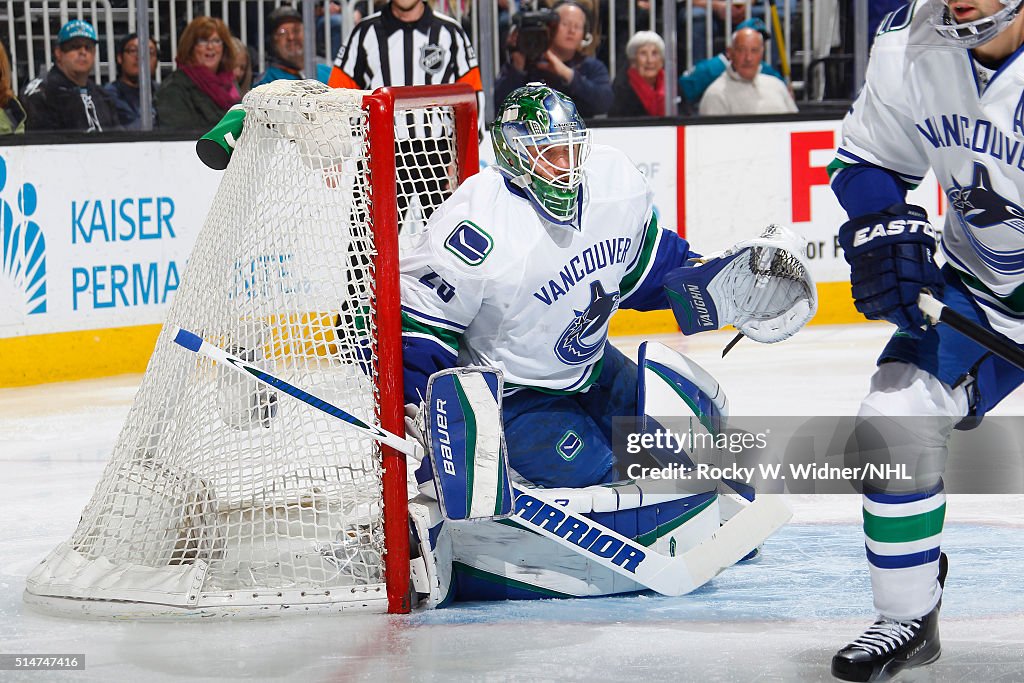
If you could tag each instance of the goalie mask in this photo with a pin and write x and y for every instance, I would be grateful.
(971, 34)
(540, 143)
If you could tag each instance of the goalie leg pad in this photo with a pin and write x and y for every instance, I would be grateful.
(464, 435)
(670, 385)
(494, 561)
(432, 567)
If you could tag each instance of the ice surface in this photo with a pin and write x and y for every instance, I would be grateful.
(779, 618)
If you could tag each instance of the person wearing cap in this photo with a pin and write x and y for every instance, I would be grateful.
(66, 98)
(286, 50)
(203, 88)
(125, 90)
(694, 82)
(743, 89)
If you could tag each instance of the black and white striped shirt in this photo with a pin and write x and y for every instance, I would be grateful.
(383, 50)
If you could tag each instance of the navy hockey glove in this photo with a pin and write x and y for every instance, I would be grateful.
(891, 260)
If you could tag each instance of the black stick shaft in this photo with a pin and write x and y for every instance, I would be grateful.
(997, 344)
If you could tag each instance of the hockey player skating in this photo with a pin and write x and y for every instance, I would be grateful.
(942, 92)
(521, 270)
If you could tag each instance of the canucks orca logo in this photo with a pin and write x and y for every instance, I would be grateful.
(23, 255)
(992, 224)
(584, 338)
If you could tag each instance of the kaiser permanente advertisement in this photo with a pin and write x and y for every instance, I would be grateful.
(97, 235)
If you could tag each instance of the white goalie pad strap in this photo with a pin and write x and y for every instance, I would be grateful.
(769, 292)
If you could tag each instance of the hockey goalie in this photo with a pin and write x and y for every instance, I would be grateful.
(242, 488)
(519, 272)
(511, 386)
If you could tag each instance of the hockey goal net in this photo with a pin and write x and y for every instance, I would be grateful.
(221, 496)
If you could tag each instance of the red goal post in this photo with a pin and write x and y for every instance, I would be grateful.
(384, 105)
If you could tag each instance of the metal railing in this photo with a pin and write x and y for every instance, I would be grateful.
(29, 22)
(32, 27)
(807, 29)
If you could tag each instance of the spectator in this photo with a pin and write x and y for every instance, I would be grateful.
(641, 19)
(743, 89)
(243, 67)
(694, 82)
(12, 114)
(66, 98)
(736, 9)
(640, 89)
(562, 66)
(286, 52)
(407, 43)
(719, 9)
(203, 88)
(124, 92)
(331, 13)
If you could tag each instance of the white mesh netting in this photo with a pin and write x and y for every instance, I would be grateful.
(220, 494)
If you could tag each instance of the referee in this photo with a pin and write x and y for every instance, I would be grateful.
(407, 43)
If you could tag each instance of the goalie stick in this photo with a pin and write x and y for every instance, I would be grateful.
(193, 342)
(667, 575)
(937, 312)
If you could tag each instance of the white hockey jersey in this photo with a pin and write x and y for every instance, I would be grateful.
(490, 281)
(928, 104)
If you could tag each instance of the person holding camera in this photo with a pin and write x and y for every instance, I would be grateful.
(560, 64)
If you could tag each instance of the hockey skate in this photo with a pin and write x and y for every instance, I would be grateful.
(889, 646)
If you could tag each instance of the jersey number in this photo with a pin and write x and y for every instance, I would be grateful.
(444, 290)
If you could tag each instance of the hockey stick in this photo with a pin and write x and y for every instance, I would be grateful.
(196, 344)
(666, 575)
(937, 312)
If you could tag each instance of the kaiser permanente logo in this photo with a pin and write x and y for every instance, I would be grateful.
(23, 265)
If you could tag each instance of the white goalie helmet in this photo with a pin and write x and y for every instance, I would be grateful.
(971, 34)
(541, 143)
